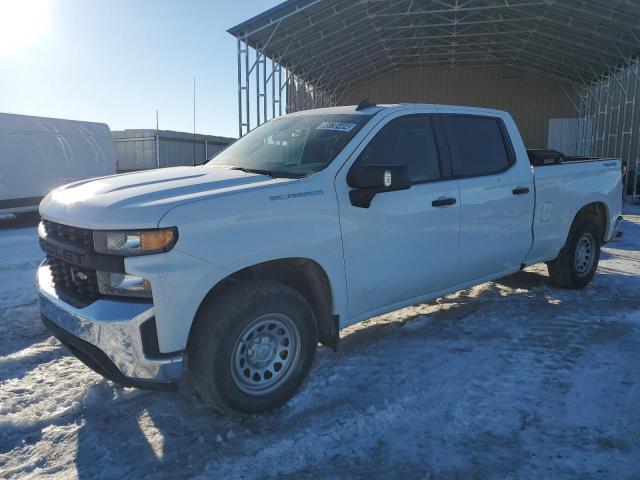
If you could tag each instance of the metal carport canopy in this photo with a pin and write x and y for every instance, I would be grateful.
(334, 44)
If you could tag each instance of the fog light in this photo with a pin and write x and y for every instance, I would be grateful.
(42, 230)
(122, 284)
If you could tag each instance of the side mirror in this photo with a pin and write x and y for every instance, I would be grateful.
(369, 180)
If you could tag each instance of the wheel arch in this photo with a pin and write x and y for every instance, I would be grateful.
(304, 275)
(595, 212)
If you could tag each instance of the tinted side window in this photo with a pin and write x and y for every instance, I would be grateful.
(405, 140)
(477, 145)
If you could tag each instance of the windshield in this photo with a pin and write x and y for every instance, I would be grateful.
(292, 146)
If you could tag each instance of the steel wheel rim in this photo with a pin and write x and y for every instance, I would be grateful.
(265, 354)
(585, 254)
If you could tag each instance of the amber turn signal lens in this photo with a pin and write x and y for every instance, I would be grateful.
(156, 241)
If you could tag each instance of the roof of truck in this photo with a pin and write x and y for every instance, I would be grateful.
(372, 109)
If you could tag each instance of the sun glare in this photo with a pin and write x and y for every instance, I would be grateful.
(21, 23)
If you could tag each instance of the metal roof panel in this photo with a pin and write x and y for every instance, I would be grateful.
(332, 41)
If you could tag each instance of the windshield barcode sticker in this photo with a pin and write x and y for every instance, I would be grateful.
(338, 126)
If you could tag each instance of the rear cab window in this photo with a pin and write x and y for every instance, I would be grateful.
(478, 145)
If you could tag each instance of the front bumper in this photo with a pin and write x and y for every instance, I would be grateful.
(106, 336)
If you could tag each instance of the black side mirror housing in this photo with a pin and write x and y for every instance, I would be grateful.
(370, 180)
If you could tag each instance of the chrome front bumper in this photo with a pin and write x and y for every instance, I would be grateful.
(113, 328)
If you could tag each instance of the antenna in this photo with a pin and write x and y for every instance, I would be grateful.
(157, 142)
(194, 121)
(365, 104)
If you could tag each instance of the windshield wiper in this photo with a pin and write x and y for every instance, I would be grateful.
(268, 173)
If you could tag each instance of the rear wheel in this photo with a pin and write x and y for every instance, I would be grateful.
(251, 348)
(578, 260)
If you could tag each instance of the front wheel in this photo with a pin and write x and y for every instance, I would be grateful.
(578, 260)
(251, 348)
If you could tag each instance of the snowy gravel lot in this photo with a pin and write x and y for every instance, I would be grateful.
(511, 379)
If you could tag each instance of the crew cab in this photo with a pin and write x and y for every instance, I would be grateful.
(307, 224)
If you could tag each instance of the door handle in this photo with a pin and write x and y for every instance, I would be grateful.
(520, 191)
(443, 202)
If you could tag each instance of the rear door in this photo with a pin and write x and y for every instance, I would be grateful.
(405, 244)
(496, 194)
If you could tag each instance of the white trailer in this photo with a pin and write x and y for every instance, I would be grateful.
(39, 154)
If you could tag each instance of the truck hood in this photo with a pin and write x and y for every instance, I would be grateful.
(139, 200)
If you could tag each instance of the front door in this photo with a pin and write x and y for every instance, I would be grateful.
(405, 244)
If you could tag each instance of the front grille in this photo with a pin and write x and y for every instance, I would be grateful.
(77, 283)
(80, 237)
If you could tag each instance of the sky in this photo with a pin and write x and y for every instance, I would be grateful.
(117, 61)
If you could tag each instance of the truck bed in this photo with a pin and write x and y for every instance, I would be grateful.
(542, 158)
(561, 189)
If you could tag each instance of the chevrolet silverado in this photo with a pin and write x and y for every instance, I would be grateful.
(311, 222)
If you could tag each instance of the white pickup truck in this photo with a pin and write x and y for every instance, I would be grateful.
(308, 224)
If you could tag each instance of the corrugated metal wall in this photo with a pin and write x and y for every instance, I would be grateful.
(609, 123)
(530, 98)
(136, 149)
(563, 135)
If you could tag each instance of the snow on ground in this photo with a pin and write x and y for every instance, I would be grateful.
(510, 379)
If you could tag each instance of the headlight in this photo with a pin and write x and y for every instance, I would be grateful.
(130, 242)
(122, 284)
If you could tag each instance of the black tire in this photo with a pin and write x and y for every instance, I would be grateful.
(216, 352)
(568, 271)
